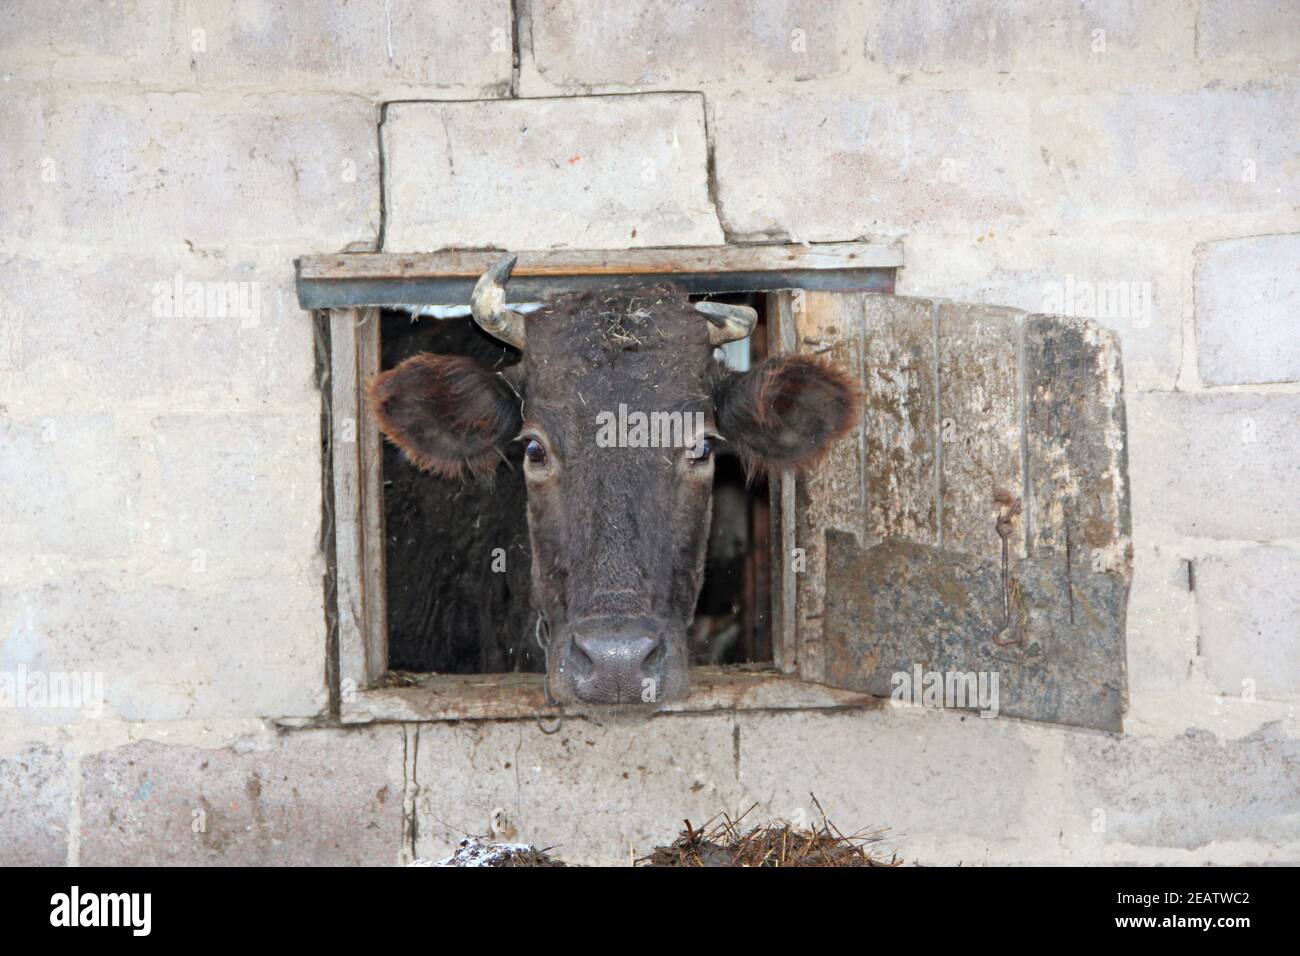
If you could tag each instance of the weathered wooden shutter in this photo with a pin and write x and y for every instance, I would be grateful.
(978, 423)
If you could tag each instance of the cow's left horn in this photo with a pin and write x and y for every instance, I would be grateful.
(488, 304)
(727, 323)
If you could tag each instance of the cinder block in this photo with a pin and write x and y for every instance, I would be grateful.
(1160, 624)
(1214, 466)
(70, 486)
(312, 797)
(1190, 792)
(1247, 304)
(298, 170)
(26, 189)
(238, 484)
(594, 792)
(925, 777)
(1131, 285)
(95, 334)
(607, 172)
(1160, 156)
(1021, 36)
(1257, 31)
(34, 807)
(366, 46)
(816, 166)
(93, 42)
(1249, 607)
(595, 44)
(141, 651)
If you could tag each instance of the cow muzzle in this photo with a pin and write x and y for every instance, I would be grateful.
(610, 663)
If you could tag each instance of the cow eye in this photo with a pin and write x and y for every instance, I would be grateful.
(535, 452)
(701, 451)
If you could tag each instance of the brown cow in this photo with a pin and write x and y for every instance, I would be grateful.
(618, 518)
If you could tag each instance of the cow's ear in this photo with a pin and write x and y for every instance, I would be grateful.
(449, 414)
(785, 412)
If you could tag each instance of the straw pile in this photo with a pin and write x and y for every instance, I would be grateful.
(722, 842)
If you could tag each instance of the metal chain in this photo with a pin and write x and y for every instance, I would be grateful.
(542, 635)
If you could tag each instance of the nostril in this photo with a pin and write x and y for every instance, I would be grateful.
(579, 660)
(654, 660)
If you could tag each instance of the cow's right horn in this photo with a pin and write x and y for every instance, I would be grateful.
(488, 304)
(727, 323)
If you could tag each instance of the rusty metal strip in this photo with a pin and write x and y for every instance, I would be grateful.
(314, 293)
(468, 264)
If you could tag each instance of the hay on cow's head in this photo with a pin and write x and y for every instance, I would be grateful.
(722, 842)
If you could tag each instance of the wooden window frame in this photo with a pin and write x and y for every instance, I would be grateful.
(351, 289)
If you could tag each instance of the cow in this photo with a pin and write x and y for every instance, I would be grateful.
(618, 528)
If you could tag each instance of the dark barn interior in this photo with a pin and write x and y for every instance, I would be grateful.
(457, 560)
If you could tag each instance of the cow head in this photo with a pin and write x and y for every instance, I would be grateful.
(621, 407)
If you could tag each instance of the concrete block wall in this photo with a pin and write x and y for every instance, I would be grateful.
(162, 163)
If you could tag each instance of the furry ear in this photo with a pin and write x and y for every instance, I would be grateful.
(785, 412)
(447, 413)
